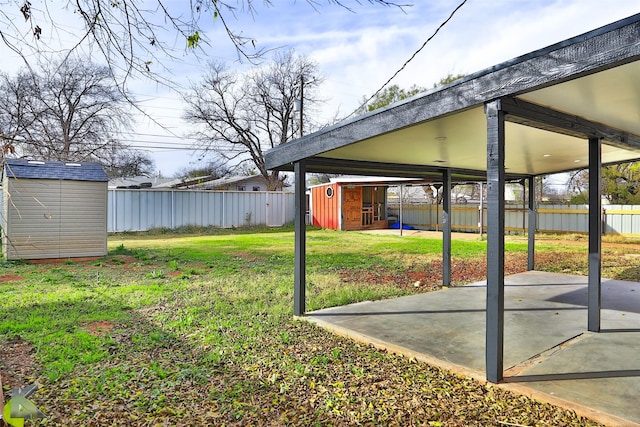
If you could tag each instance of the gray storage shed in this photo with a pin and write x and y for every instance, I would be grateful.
(53, 210)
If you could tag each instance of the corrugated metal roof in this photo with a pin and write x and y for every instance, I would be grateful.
(209, 181)
(35, 169)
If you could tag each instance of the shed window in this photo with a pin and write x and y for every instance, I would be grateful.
(256, 188)
(241, 188)
(329, 192)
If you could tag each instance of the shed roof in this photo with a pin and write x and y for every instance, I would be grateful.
(386, 181)
(35, 169)
(554, 99)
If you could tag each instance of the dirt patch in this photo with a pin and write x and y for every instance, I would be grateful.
(429, 277)
(124, 259)
(17, 364)
(10, 278)
(100, 327)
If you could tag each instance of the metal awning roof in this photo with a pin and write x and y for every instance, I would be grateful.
(572, 105)
(555, 99)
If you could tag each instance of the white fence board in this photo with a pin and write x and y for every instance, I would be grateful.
(617, 219)
(139, 210)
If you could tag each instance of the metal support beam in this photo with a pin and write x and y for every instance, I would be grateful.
(538, 116)
(495, 241)
(446, 228)
(595, 234)
(531, 233)
(367, 168)
(299, 286)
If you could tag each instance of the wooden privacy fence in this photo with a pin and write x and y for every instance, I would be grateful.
(139, 210)
(616, 219)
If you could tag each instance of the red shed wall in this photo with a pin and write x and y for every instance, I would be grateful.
(326, 209)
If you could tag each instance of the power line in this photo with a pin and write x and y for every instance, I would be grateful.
(155, 145)
(155, 135)
(410, 59)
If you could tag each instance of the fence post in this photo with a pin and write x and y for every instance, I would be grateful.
(481, 212)
(173, 210)
(400, 216)
(114, 211)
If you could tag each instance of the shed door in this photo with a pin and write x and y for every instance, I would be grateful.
(83, 219)
(33, 219)
(352, 208)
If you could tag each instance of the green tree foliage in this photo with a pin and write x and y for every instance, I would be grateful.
(395, 93)
(320, 178)
(390, 95)
(579, 199)
(449, 79)
(620, 184)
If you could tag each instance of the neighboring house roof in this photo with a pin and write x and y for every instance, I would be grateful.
(35, 169)
(207, 182)
(211, 182)
(138, 182)
(223, 182)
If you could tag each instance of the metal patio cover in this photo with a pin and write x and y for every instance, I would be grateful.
(572, 105)
(587, 86)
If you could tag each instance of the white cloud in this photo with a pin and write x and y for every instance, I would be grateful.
(479, 36)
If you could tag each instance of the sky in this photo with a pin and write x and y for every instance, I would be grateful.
(356, 50)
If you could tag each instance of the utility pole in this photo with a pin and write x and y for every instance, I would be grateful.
(301, 101)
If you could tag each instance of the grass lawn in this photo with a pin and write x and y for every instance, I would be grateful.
(191, 330)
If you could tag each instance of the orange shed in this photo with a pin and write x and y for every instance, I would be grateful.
(348, 204)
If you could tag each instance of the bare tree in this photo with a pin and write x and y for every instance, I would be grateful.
(240, 116)
(213, 168)
(68, 111)
(15, 110)
(135, 37)
(127, 163)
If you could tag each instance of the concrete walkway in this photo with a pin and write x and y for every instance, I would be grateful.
(548, 353)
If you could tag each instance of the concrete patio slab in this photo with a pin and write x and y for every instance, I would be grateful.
(548, 352)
